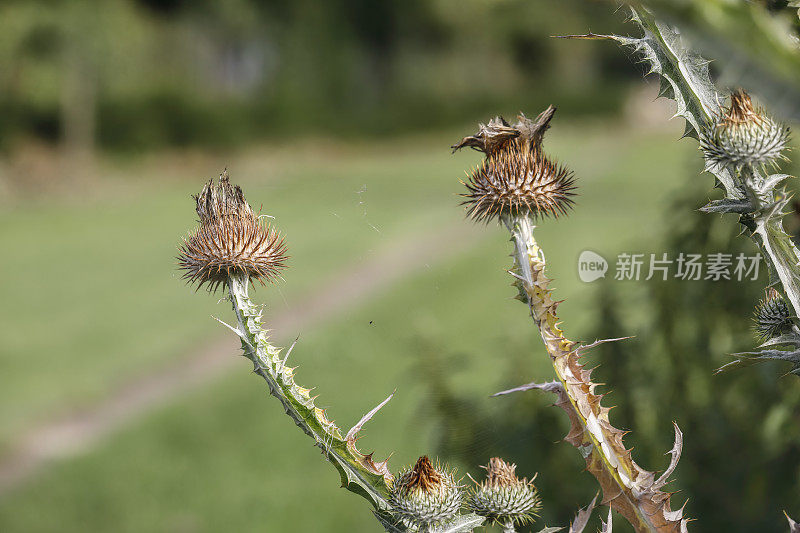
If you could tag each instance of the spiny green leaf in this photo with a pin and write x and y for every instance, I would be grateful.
(358, 472)
(462, 524)
(728, 206)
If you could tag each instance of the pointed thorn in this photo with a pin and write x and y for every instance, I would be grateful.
(366, 418)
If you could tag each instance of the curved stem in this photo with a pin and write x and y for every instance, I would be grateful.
(776, 244)
(628, 488)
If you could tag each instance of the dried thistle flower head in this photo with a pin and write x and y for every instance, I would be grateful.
(503, 497)
(772, 316)
(230, 241)
(425, 495)
(743, 135)
(516, 178)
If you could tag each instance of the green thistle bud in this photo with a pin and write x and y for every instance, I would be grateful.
(231, 240)
(503, 497)
(772, 316)
(425, 496)
(516, 178)
(744, 135)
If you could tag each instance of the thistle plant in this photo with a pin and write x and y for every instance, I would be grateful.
(518, 185)
(742, 146)
(232, 246)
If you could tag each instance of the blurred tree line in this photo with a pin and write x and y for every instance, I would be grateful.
(124, 74)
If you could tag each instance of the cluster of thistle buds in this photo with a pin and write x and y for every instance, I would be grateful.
(428, 495)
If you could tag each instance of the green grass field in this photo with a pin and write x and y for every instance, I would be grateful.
(91, 299)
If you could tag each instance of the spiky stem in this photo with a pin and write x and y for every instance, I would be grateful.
(685, 78)
(508, 526)
(628, 488)
(759, 202)
(358, 472)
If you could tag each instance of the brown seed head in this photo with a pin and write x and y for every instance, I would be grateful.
(230, 241)
(516, 178)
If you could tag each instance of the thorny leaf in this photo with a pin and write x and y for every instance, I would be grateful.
(739, 206)
(744, 359)
(351, 435)
(389, 524)
(462, 524)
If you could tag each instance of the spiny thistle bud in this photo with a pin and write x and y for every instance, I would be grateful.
(516, 178)
(231, 240)
(743, 135)
(503, 497)
(425, 496)
(772, 316)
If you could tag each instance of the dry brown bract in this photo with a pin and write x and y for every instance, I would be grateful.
(741, 109)
(501, 474)
(423, 476)
(230, 241)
